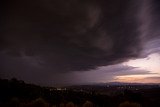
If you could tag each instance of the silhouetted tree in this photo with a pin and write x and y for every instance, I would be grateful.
(88, 104)
(129, 104)
(39, 102)
(70, 104)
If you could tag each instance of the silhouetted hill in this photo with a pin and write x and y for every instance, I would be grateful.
(17, 93)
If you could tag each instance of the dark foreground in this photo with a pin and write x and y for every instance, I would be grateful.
(14, 93)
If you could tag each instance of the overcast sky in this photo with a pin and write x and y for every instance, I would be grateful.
(66, 42)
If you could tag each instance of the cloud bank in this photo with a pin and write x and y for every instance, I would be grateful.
(75, 35)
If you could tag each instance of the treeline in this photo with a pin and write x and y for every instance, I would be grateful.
(16, 93)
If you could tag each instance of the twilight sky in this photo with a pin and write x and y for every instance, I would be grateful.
(66, 42)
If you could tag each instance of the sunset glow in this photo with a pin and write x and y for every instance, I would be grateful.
(150, 63)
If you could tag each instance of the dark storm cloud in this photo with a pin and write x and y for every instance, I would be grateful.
(149, 17)
(72, 35)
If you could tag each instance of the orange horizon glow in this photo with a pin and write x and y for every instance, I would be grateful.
(136, 79)
(150, 63)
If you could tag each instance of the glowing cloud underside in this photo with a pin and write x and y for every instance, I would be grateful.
(150, 63)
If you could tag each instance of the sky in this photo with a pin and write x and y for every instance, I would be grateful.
(72, 42)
